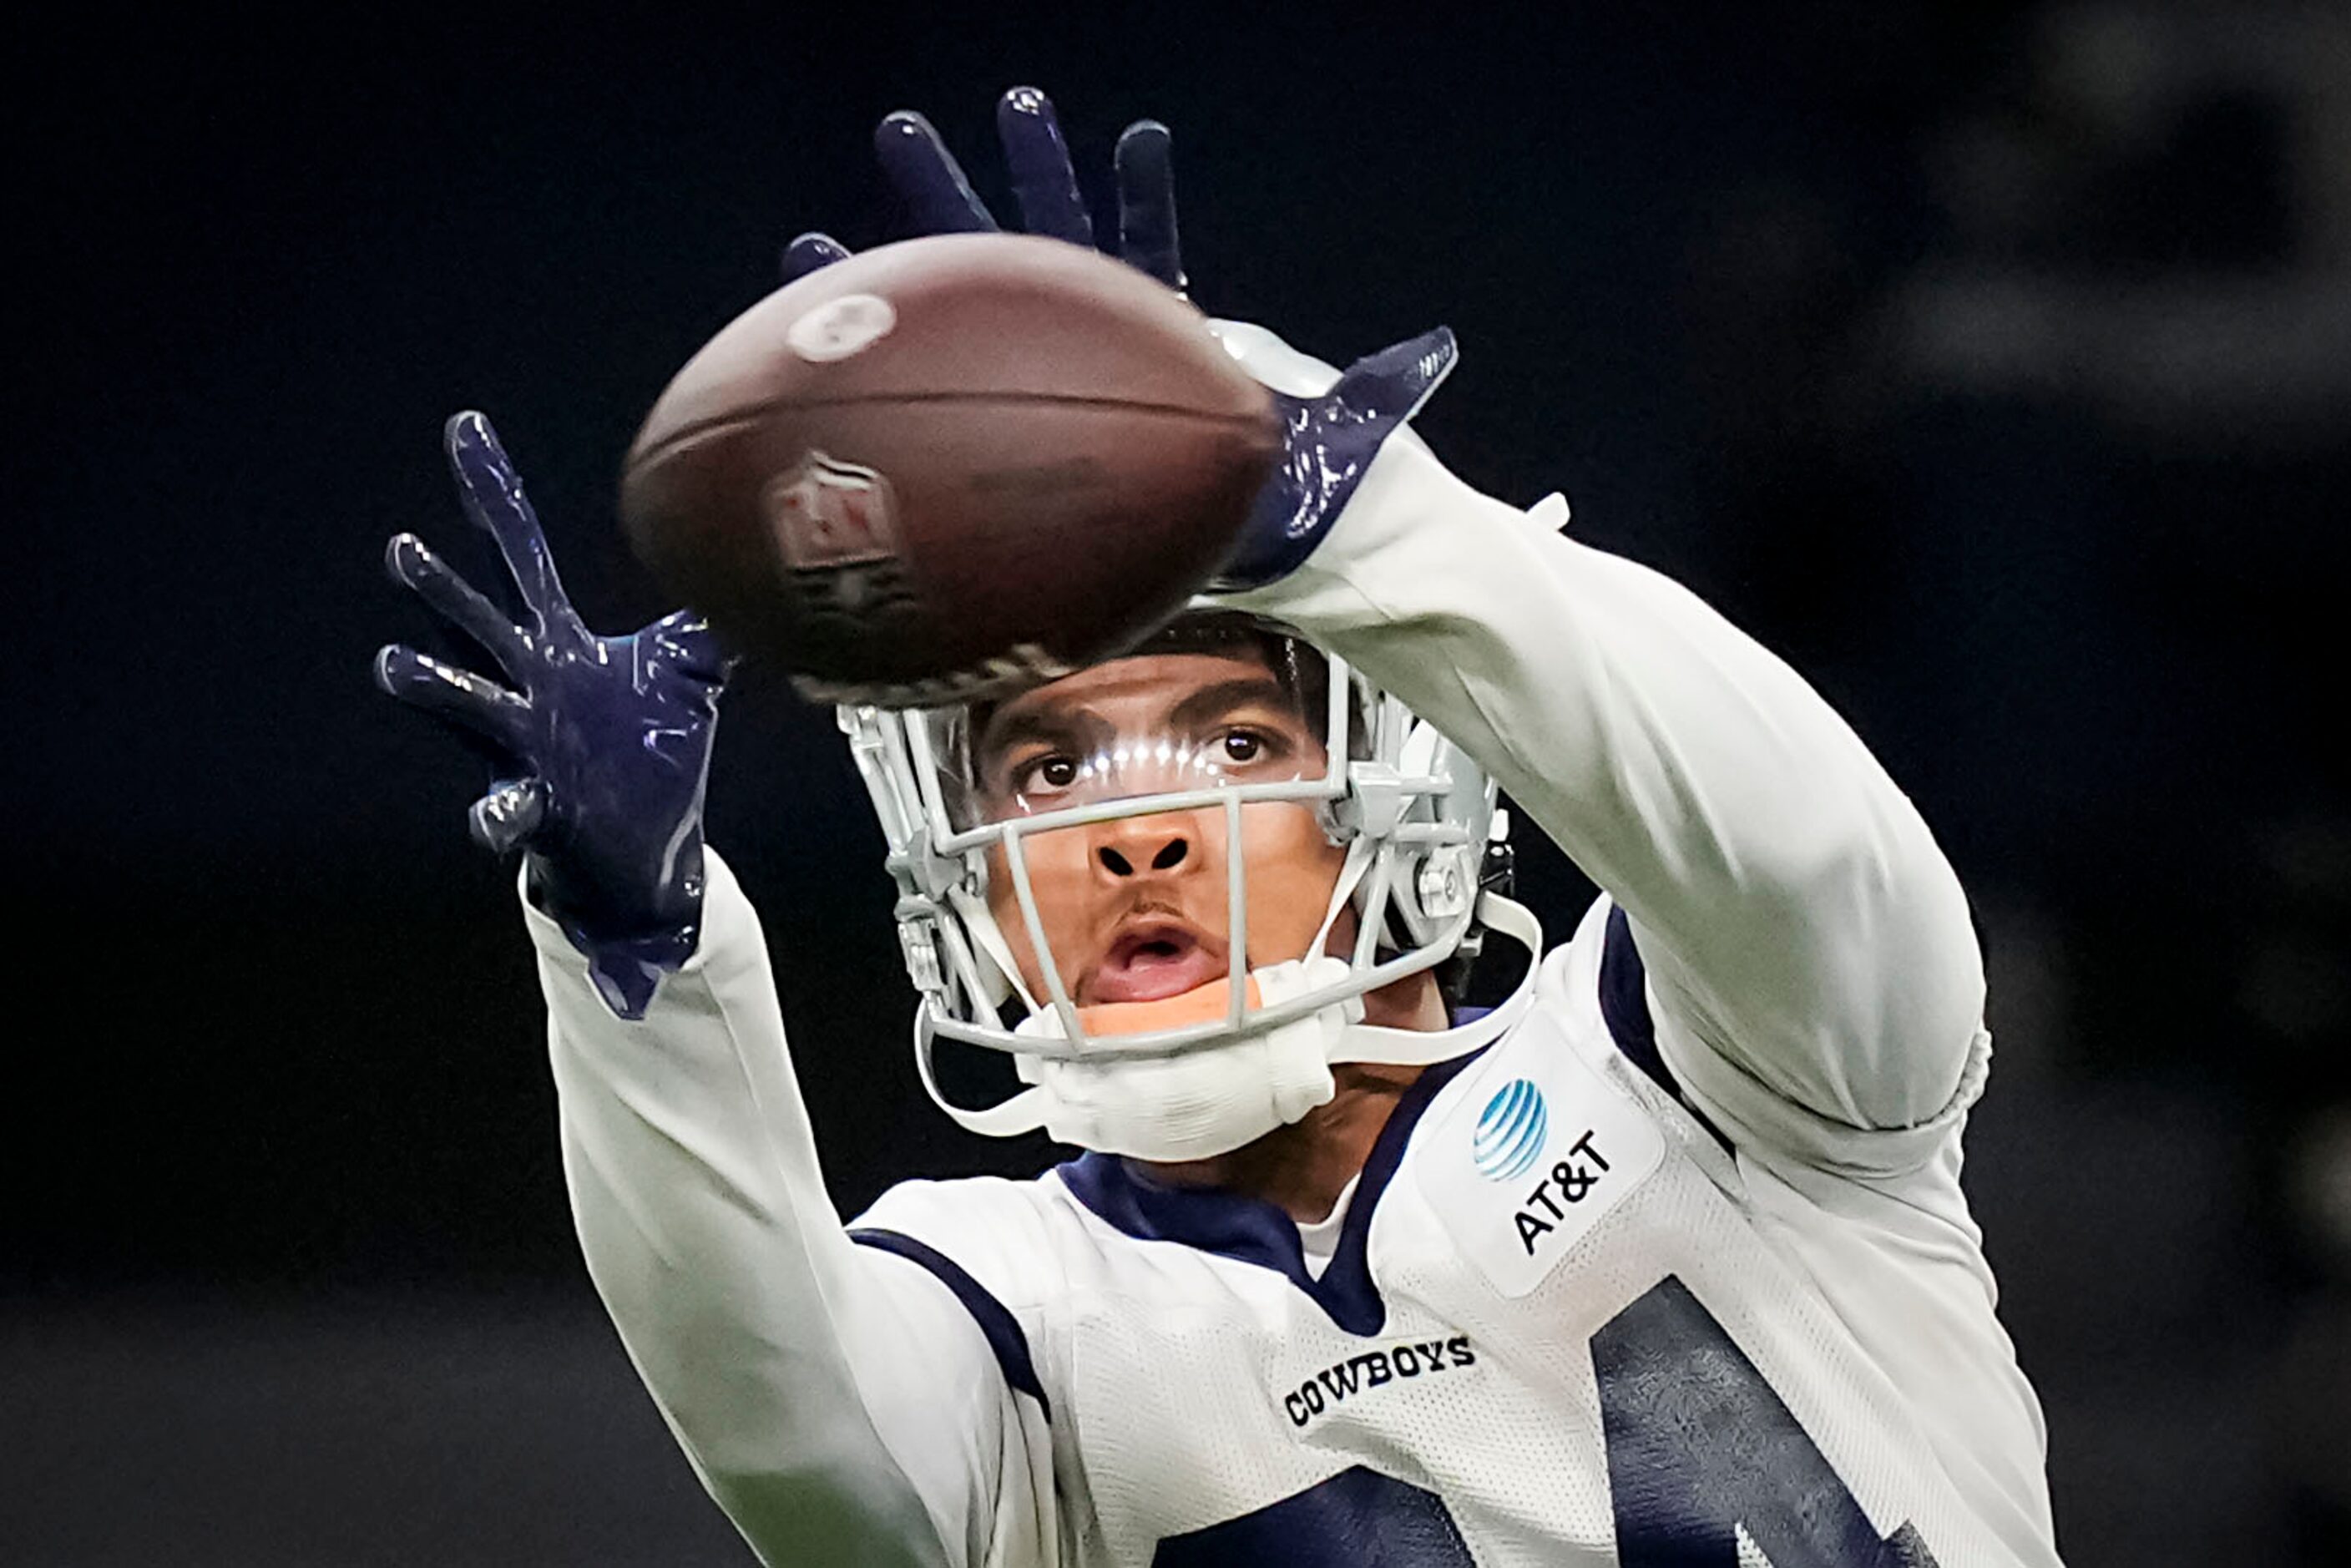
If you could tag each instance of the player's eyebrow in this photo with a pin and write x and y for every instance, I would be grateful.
(1222, 697)
(1075, 727)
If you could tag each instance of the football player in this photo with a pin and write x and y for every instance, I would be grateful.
(1663, 1260)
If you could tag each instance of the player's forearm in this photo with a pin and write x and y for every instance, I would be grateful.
(707, 1231)
(1790, 898)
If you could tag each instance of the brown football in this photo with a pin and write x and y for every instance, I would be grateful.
(948, 468)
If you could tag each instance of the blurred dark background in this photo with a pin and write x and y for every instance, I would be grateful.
(1992, 361)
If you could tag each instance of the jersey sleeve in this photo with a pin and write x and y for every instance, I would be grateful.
(1810, 967)
(836, 1401)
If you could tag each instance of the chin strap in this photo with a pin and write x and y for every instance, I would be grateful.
(981, 924)
(1023, 1112)
(1360, 855)
(1421, 1047)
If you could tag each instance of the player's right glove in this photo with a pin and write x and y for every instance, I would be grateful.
(602, 743)
(1333, 425)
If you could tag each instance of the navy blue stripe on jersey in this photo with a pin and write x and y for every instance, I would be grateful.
(1357, 1519)
(1625, 1002)
(1625, 1009)
(995, 1322)
(1252, 1230)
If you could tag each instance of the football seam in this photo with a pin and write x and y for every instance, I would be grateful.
(761, 410)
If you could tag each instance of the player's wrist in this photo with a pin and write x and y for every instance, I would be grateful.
(1334, 428)
(1407, 527)
(630, 937)
(606, 907)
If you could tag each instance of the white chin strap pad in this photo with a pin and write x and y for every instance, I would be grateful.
(1195, 1104)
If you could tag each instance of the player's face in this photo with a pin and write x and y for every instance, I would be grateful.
(1135, 908)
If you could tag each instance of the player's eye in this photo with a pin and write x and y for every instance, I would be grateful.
(1245, 748)
(1046, 774)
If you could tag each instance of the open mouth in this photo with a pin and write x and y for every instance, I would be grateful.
(1152, 961)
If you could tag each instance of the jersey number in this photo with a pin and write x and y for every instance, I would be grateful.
(1699, 1448)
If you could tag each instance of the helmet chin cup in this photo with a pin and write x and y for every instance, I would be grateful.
(1195, 1104)
(1252, 1051)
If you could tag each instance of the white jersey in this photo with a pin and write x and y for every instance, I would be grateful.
(1677, 1271)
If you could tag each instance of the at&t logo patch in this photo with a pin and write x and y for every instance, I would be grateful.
(1526, 1161)
(1509, 1137)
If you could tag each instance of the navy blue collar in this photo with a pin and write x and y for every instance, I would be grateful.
(1252, 1230)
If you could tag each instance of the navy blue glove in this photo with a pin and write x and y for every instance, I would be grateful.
(1331, 438)
(1328, 443)
(602, 743)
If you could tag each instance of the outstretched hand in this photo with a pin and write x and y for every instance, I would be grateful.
(603, 742)
(1330, 433)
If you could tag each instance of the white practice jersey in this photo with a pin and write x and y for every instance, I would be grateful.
(1678, 1271)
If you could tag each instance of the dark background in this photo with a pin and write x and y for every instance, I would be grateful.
(1991, 361)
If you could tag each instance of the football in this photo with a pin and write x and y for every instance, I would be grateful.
(948, 468)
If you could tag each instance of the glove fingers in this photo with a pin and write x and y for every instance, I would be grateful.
(492, 493)
(1392, 384)
(454, 696)
(927, 178)
(1146, 203)
(809, 251)
(415, 567)
(1043, 180)
(508, 814)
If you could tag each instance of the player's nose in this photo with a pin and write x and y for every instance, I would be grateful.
(1164, 844)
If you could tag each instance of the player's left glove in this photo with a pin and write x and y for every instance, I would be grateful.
(1333, 425)
(602, 743)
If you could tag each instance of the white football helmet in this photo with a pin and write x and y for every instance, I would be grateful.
(1236, 1055)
